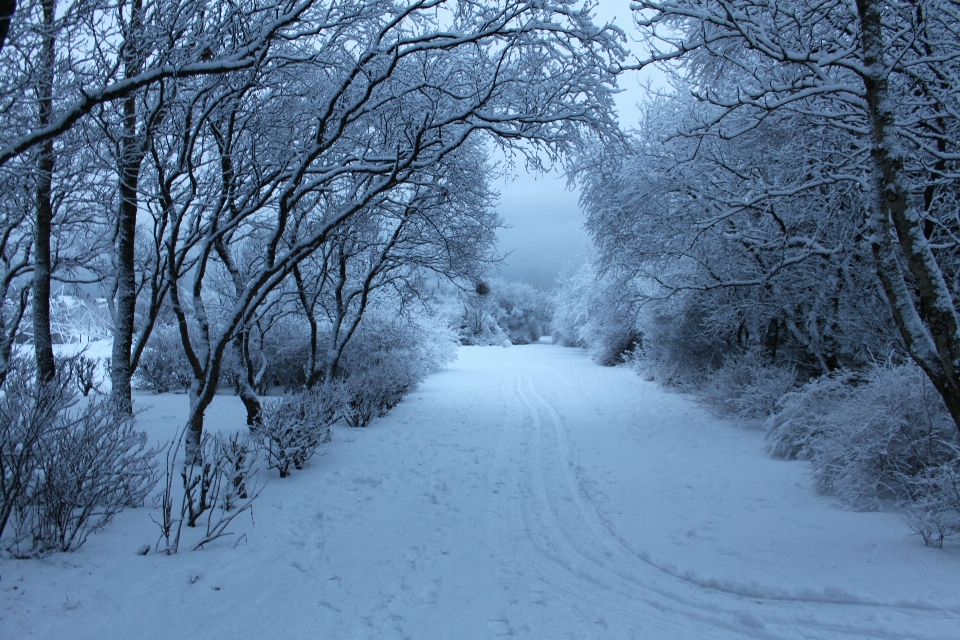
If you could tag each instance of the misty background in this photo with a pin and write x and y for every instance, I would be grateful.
(544, 236)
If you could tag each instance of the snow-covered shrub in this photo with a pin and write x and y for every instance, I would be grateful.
(280, 355)
(236, 454)
(85, 372)
(595, 311)
(795, 429)
(284, 365)
(372, 391)
(387, 358)
(934, 512)
(163, 365)
(218, 483)
(291, 428)
(680, 346)
(65, 472)
(572, 308)
(91, 465)
(478, 326)
(520, 310)
(747, 387)
(29, 415)
(870, 437)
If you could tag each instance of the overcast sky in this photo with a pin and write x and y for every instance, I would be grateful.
(546, 232)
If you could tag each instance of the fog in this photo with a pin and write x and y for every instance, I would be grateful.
(544, 236)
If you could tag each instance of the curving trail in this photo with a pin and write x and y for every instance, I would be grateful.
(567, 544)
(523, 492)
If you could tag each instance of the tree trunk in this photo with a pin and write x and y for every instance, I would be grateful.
(42, 267)
(933, 336)
(194, 435)
(245, 379)
(132, 152)
(7, 9)
(126, 291)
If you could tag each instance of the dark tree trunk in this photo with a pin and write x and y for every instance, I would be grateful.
(7, 9)
(42, 267)
(933, 336)
(132, 152)
(245, 379)
(126, 292)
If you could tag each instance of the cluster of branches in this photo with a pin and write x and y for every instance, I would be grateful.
(229, 163)
(801, 180)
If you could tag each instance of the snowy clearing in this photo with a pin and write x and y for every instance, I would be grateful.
(523, 491)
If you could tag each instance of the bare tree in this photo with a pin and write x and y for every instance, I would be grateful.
(15, 247)
(440, 224)
(387, 95)
(191, 39)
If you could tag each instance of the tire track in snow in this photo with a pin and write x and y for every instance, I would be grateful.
(567, 567)
(782, 615)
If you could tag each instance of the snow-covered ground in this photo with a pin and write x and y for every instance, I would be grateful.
(523, 491)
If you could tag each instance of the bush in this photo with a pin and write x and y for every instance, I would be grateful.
(934, 513)
(290, 429)
(85, 372)
(871, 437)
(281, 356)
(217, 483)
(66, 473)
(372, 391)
(163, 365)
(478, 324)
(746, 387)
(29, 415)
(597, 312)
(386, 359)
(679, 348)
(93, 466)
(520, 310)
(795, 429)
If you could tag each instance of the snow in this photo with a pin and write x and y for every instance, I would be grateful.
(523, 491)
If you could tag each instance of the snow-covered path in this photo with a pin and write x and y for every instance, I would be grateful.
(523, 491)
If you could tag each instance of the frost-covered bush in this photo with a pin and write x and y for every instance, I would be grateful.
(747, 387)
(934, 513)
(92, 466)
(85, 372)
(280, 356)
(213, 488)
(163, 365)
(66, 472)
(29, 415)
(870, 437)
(520, 310)
(680, 349)
(291, 428)
(372, 391)
(387, 358)
(597, 312)
(235, 454)
(795, 429)
(478, 324)
(572, 308)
